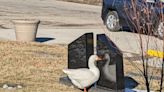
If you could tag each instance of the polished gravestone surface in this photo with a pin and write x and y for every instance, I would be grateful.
(111, 69)
(79, 51)
(112, 77)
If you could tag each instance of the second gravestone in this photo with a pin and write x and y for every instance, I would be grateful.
(111, 69)
(79, 51)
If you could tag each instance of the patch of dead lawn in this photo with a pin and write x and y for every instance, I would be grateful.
(38, 67)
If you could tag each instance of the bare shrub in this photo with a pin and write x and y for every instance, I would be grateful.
(145, 18)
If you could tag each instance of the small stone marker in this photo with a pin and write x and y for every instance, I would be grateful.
(79, 51)
(111, 69)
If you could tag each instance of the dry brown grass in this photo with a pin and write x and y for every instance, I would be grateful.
(154, 84)
(36, 66)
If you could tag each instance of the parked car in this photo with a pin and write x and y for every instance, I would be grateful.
(115, 17)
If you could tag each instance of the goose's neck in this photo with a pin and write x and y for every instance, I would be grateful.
(91, 64)
(93, 67)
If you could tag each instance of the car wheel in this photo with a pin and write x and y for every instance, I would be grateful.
(160, 30)
(112, 21)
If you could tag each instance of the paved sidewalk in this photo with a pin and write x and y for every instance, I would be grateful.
(127, 42)
(51, 36)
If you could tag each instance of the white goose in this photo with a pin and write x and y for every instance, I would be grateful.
(84, 77)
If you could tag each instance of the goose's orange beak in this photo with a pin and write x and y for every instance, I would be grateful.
(99, 58)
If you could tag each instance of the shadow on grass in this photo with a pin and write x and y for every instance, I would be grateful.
(43, 39)
(130, 83)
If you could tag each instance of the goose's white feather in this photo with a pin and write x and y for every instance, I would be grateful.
(84, 77)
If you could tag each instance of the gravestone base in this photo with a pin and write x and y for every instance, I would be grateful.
(100, 89)
(67, 81)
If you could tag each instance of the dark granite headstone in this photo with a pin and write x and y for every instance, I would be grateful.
(111, 69)
(79, 51)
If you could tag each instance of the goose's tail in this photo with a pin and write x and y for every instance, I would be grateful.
(65, 71)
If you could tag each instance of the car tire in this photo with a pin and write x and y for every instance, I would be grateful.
(112, 21)
(160, 30)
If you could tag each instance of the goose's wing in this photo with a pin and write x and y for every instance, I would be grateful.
(79, 74)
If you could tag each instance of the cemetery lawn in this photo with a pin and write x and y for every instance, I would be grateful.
(36, 66)
(155, 72)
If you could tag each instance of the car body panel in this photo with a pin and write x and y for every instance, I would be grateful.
(119, 7)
